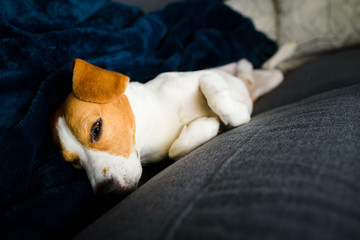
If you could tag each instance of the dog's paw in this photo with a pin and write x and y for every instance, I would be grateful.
(193, 135)
(232, 112)
(220, 99)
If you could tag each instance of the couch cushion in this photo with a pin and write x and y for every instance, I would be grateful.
(291, 173)
(333, 71)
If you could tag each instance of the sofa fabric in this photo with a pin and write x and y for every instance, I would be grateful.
(291, 173)
(329, 72)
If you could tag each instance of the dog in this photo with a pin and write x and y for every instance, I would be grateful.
(110, 127)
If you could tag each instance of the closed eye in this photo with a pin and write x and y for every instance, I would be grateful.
(95, 132)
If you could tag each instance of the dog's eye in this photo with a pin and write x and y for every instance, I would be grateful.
(95, 131)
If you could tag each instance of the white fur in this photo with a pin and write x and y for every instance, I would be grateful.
(193, 135)
(284, 52)
(100, 165)
(163, 106)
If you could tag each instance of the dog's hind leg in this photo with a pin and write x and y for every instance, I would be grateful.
(284, 52)
(193, 135)
(232, 112)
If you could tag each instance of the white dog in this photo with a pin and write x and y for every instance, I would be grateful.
(110, 127)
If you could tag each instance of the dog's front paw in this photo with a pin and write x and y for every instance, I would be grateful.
(193, 135)
(233, 113)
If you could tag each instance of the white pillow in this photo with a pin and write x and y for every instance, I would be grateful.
(319, 25)
(262, 12)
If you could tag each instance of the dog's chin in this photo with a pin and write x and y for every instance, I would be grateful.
(113, 190)
(112, 175)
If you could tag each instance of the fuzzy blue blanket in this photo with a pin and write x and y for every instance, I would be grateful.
(41, 195)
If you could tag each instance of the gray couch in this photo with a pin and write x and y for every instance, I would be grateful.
(293, 172)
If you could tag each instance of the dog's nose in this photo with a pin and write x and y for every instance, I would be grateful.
(112, 189)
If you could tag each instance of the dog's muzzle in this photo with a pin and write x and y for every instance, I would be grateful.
(109, 174)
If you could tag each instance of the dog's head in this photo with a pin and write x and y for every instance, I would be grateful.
(95, 128)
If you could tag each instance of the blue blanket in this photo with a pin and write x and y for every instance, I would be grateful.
(41, 195)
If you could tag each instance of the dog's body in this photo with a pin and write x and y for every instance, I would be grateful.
(109, 127)
(179, 111)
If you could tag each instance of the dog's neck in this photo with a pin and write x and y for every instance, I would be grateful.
(153, 129)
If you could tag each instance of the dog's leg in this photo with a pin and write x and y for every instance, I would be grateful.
(218, 95)
(260, 81)
(193, 135)
(284, 52)
(230, 68)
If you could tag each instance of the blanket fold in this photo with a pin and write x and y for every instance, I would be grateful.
(40, 192)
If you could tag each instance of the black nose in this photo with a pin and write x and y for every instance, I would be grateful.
(111, 190)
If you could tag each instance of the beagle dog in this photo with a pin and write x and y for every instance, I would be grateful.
(110, 127)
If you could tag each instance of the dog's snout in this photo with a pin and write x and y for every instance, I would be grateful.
(110, 188)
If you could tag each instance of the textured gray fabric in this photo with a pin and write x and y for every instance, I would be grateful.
(327, 73)
(291, 173)
(297, 177)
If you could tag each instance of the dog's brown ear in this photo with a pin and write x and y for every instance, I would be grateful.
(97, 85)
